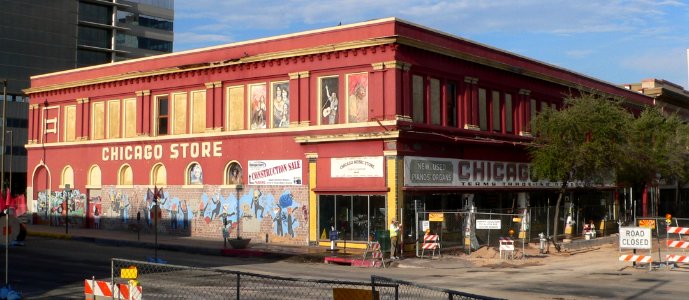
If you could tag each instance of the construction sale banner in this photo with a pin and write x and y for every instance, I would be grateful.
(275, 172)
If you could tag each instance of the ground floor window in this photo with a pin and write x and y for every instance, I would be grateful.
(355, 217)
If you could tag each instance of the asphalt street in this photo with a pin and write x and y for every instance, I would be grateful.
(49, 268)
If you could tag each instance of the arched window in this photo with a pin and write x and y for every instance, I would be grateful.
(233, 173)
(125, 175)
(94, 177)
(158, 175)
(194, 174)
(67, 177)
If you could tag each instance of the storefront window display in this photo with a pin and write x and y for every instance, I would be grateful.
(355, 217)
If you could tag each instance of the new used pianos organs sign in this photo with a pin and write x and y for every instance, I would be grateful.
(446, 172)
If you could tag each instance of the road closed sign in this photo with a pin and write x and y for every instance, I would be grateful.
(635, 238)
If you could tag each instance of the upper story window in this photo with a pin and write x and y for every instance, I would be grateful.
(434, 89)
(496, 112)
(482, 109)
(113, 119)
(130, 18)
(418, 99)
(95, 37)
(67, 177)
(509, 114)
(125, 176)
(91, 12)
(129, 117)
(158, 175)
(70, 123)
(451, 104)
(162, 118)
(98, 121)
(198, 111)
(234, 117)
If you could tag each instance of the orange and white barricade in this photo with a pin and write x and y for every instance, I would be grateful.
(506, 247)
(96, 289)
(431, 242)
(677, 258)
(376, 253)
(647, 259)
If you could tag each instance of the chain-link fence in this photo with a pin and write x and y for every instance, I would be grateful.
(458, 230)
(388, 288)
(165, 281)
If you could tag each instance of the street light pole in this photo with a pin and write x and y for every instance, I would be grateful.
(66, 208)
(11, 157)
(2, 144)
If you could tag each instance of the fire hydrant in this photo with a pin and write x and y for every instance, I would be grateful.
(543, 241)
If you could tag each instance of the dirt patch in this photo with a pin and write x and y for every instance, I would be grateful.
(485, 252)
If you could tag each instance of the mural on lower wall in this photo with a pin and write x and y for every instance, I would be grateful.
(274, 214)
(52, 208)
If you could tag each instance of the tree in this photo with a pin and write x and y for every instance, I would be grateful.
(582, 143)
(657, 146)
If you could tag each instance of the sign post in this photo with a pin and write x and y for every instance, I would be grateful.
(66, 208)
(637, 238)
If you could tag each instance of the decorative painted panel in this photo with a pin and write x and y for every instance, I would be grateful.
(357, 97)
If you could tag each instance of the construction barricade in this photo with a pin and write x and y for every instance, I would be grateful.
(96, 289)
(506, 247)
(636, 238)
(376, 254)
(674, 245)
(431, 242)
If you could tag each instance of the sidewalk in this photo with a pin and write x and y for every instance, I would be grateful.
(313, 254)
(198, 245)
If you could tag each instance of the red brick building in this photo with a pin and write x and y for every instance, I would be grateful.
(345, 126)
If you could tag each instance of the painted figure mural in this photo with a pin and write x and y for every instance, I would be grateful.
(280, 98)
(279, 215)
(258, 106)
(54, 210)
(357, 97)
(329, 101)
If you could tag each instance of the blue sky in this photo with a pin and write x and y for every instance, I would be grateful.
(619, 41)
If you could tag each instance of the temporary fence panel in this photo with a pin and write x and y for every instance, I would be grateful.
(164, 281)
(388, 288)
(674, 248)
(464, 231)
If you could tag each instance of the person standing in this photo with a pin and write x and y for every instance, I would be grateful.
(394, 233)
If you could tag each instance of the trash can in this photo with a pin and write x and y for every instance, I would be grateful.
(383, 238)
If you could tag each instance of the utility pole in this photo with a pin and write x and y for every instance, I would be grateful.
(4, 122)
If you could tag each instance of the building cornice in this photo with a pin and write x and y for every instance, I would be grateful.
(290, 54)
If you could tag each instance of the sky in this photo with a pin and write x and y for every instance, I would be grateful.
(618, 41)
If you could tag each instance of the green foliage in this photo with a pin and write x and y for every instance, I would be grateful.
(657, 147)
(583, 142)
